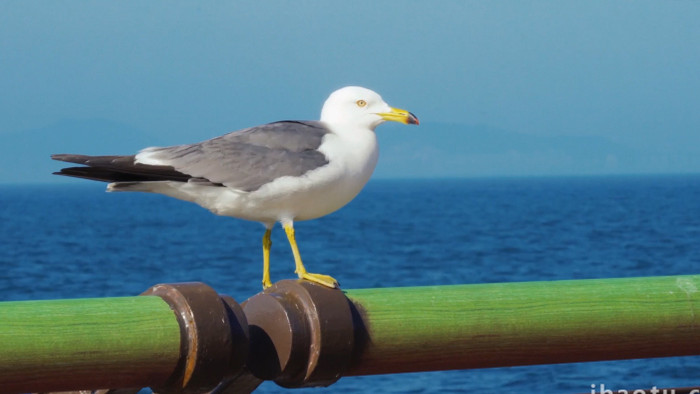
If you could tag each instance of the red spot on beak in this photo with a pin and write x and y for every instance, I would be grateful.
(412, 119)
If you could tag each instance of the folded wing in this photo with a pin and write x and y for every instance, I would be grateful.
(244, 160)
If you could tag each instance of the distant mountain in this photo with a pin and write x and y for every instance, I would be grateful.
(430, 150)
(25, 155)
(453, 150)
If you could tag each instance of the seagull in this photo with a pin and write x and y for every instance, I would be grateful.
(284, 172)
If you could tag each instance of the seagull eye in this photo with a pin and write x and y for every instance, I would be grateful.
(361, 103)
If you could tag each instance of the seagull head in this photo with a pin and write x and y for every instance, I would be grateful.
(361, 107)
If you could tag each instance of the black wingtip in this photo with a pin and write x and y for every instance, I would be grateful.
(71, 158)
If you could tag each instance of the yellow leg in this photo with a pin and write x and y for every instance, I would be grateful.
(267, 244)
(324, 280)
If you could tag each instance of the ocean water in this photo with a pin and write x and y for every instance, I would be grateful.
(73, 240)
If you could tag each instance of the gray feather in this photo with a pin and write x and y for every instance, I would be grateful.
(250, 158)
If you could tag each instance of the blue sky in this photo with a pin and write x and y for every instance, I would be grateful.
(501, 88)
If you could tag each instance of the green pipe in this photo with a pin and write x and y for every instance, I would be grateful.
(87, 343)
(508, 324)
(304, 334)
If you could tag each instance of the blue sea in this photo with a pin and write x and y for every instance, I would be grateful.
(74, 240)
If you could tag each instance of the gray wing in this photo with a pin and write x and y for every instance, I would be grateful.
(249, 158)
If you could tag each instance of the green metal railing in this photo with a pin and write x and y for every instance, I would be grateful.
(87, 343)
(507, 324)
(188, 338)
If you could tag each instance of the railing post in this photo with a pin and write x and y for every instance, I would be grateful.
(301, 334)
(213, 336)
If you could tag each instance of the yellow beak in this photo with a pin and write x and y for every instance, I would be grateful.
(399, 115)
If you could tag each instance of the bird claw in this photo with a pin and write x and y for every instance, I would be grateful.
(323, 280)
